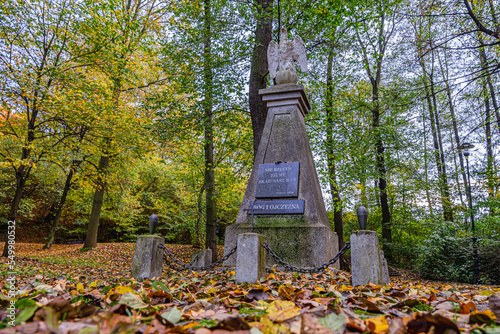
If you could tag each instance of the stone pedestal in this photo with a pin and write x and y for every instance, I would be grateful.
(305, 239)
(148, 257)
(250, 258)
(385, 269)
(201, 258)
(365, 258)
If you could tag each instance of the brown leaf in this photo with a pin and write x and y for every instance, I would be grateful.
(407, 302)
(232, 324)
(257, 294)
(371, 307)
(63, 306)
(156, 327)
(36, 327)
(424, 322)
(396, 326)
(310, 325)
(84, 310)
(494, 305)
(466, 308)
(286, 292)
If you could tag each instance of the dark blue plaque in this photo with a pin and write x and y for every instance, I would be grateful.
(278, 180)
(278, 207)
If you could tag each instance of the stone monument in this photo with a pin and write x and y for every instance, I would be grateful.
(148, 257)
(283, 199)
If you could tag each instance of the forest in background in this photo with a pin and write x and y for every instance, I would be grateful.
(112, 111)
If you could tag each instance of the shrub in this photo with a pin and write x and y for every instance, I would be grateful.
(447, 254)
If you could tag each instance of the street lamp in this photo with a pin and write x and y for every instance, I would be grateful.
(464, 148)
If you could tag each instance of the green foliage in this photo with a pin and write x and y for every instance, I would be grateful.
(447, 254)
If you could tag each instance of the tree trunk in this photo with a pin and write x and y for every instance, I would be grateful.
(259, 69)
(484, 60)
(211, 214)
(95, 214)
(447, 204)
(380, 163)
(444, 70)
(22, 173)
(60, 206)
(336, 200)
(426, 164)
(428, 82)
(490, 173)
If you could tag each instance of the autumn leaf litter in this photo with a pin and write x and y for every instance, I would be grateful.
(65, 291)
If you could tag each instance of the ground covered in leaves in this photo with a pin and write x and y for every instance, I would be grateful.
(64, 291)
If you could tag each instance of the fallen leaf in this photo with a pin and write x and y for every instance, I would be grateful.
(483, 317)
(494, 305)
(132, 301)
(396, 326)
(312, 325)
(337, 323)
(466, 308)
(424, 322)
(281, 310)
(173, 316)
(378, 324)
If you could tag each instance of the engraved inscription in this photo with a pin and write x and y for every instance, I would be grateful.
(278, 180)
(277, 207)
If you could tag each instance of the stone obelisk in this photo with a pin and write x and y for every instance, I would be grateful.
(283, 194)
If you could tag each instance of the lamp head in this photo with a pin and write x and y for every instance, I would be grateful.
(465, 147)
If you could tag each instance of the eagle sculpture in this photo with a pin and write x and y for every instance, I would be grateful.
(283, 56)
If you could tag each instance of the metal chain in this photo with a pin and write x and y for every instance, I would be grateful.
(184, 266)
(306, 270)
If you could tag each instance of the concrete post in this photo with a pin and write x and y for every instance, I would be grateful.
(201, 258)
(365, 258)
(385, 269)
(148, 257)
(250, 258)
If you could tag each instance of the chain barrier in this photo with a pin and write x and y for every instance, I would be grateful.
(183, 266)
(306, 270)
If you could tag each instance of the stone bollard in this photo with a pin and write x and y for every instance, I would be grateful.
(201, 258)
(148, 257)
(385, 269)
(250, 258)
(365, 258)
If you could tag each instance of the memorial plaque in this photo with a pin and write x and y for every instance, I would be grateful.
(277, 207)
(278, 180)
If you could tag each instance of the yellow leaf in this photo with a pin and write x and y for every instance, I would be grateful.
(318, 288)
(79, 287)
(266, 326)
(487, 293)
(281, 310)
(119, 290)
(378, 324)
(191, 325)
(483, 317)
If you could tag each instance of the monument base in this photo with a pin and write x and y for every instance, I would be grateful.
(294, 241)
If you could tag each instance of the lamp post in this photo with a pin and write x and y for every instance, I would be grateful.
(362, 217)
(464, 148)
